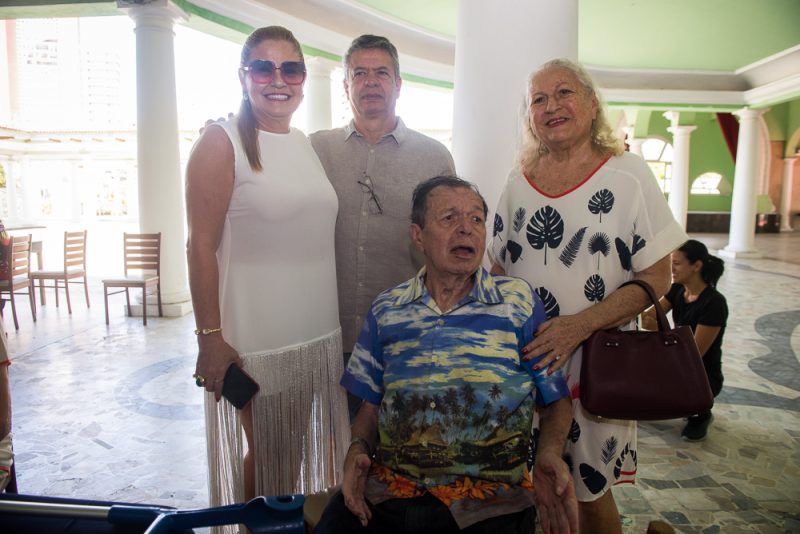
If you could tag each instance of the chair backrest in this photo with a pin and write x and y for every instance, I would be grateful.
(74, 250)
(142, 252)
(20, 260)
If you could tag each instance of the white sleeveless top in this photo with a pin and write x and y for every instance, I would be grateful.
(277, 273)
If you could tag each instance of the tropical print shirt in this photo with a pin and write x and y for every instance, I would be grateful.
(456, 405)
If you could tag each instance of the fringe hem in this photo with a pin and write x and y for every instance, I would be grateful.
(300, 424)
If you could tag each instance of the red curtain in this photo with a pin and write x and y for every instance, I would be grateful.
(730, 131)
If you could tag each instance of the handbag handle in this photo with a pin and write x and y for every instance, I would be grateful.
(663, 323)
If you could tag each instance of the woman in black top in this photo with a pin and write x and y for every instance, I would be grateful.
(695, 302)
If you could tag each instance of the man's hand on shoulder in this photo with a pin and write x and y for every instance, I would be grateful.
(209, 122)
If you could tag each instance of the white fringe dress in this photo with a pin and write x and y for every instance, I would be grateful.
(278, 304)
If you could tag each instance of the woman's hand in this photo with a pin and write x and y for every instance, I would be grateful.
(356, 468)
(213, 360)
(556, 341)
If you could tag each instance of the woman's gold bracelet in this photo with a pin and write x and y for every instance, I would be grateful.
(206, 331)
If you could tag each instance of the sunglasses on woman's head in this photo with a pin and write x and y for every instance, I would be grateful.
(263, 71)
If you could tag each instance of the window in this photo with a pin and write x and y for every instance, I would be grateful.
(658, 154)
(711, 183)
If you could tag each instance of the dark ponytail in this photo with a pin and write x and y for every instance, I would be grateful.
(713, 267)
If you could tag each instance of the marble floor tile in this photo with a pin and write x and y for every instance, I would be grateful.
(112, 412)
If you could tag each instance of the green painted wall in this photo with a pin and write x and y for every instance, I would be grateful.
(793, 121)
(708, 153)
(792, 128)
(777, 119)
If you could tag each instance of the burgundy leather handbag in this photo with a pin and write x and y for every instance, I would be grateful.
(644, 375)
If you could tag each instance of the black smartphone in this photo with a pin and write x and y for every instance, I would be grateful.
(238, 387)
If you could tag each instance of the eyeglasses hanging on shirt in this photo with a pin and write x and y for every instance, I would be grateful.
(366, 187)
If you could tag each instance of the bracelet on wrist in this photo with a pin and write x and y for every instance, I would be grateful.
(206, 331)
(363, 443)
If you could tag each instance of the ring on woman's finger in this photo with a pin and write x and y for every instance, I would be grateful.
(199, 380)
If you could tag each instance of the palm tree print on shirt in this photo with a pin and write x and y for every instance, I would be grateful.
(512, 247)
(626, 254)
(601, 202)
(599, 244)
(594, 289)
(551, 307)
(572, 249)
(545, 229)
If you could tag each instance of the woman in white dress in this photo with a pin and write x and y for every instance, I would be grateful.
(261, 216)
(577, 219)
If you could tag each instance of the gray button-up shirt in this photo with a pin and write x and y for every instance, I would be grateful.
(373, 248)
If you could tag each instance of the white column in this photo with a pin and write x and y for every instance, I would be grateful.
(31, 204)
(511, 38)
(12, 174)
(318, 94)
(77, 172)
(635, 144)
(786, 194)
(89, 195)
(161, 206)
(741, 242)
(679, 184)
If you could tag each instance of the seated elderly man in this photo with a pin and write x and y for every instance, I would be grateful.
(442, 436)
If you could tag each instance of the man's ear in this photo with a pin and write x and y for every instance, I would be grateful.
(346, 87)
(416, 237)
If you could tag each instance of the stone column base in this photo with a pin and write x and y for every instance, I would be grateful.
(175, 309)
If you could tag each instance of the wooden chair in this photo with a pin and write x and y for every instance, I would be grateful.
(74, 267)
(142, 254)
(18, 277)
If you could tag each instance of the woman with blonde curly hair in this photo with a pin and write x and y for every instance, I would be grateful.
(577, 219)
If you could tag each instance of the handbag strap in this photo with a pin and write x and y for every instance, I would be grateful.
(663, 324)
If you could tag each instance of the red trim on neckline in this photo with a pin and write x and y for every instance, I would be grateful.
(568, 191)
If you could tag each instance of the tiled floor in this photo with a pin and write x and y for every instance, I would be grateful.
(112, 412)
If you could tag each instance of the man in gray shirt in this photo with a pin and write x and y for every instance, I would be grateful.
(374, 164)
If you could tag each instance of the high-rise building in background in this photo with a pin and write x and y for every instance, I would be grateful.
(67, 74)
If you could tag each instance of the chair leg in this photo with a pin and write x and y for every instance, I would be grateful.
(55, 284)
(160, 311)
(128, 300)
(144, 305)
(14, 309)
(86, 289)
(66, 290)
(105, 298)
(41, 291)
(32, 297)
